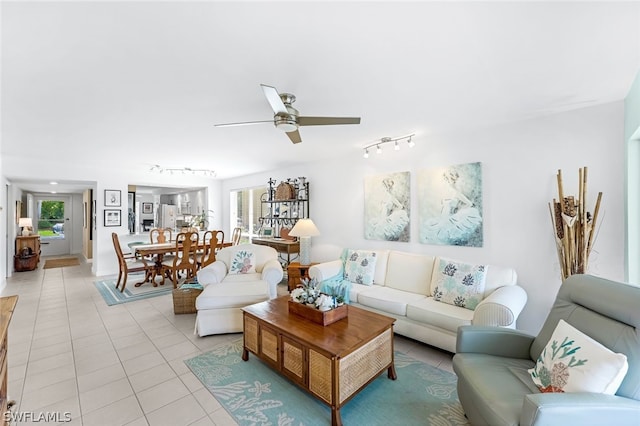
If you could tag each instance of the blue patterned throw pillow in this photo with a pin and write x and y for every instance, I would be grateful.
(459, 284)
(243, 263)
(360, 267)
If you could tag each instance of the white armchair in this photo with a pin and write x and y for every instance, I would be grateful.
(241, 275)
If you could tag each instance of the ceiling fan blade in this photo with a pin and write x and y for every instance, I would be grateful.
(242, 123)
(321, 121)
(294, 136)
(274, 99)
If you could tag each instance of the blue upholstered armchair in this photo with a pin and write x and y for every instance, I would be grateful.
(495, 387)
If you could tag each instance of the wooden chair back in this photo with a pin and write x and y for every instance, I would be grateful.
(186, 258)
(207, 255)
(236, 235)
(160, 235)
(123, 266)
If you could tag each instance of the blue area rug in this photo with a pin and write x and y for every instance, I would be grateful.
(254, 394)
(112, 296)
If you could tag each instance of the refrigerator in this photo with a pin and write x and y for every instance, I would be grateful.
(167, 216)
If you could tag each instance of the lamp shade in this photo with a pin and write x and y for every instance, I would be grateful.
(304, 228)
(25, 221)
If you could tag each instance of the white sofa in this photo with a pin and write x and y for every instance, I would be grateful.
(402, 289)
(224, 294)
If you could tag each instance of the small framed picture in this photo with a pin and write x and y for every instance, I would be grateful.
(267, 232)
(112, 198)
(147, 208)
(112, 218)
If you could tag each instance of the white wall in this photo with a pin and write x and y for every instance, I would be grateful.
(519, 165)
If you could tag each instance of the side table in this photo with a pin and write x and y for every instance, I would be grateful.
(295, 273)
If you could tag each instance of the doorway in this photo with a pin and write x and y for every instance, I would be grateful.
(52, 224)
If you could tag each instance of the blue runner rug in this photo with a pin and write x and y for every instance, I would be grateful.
(112, 296)
(254, 394)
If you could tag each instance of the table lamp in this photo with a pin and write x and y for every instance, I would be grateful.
(304, 229)
(26, 224)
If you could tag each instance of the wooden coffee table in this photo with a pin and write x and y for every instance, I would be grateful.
(332, 362)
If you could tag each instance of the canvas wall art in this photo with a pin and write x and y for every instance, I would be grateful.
(450, 205)
(387, 202)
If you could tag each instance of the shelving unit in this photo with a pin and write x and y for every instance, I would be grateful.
(282, 206)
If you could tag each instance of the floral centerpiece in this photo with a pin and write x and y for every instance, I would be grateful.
(309, 294)
(308, 301)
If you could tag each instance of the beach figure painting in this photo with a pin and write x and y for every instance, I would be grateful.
(387, 202)
(450, 205)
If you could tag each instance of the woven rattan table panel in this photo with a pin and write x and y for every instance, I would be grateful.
(331, 362)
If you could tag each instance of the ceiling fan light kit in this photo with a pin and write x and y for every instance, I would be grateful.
(286, 116)
(386, 140)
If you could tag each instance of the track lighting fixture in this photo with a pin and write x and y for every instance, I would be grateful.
(183, 170)
(396, 145)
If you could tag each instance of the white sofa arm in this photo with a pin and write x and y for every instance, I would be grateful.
(501, 308)
(272, 273)
(326, 270)
(212, 274)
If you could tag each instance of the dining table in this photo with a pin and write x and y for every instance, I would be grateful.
(153, 252)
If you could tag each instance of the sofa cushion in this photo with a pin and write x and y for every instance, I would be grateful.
(458, 283)
(387, 299)
(409, 272)
(574, 362)
(232, 294)
(437, 314)
(499, 276)
(360, 266)
(243, 262)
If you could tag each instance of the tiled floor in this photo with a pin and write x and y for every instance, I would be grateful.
(114, 365)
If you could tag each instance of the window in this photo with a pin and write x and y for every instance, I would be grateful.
(246, 210)
(51, 219)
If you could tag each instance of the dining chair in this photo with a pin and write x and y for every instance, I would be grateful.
(160, 235)
(185, 258)
(207, 254)
(127, 263)
(236, 235)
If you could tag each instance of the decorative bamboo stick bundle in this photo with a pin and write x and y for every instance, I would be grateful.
(574, 227)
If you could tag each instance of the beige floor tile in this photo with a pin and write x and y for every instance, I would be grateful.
(121, 412)
(101, 377)
(36, 380)
(207, 400)
(205, 421)
(153, 376)
(88, 364)
(104, 395)
(49, 351)
(136, 350)
(183, 411)
(129, 340)
(222, 418)
(162, 394)
(48, 395)
(46, 364)
(141, 421)
(191, 381)
(144, 362)
(180, 350)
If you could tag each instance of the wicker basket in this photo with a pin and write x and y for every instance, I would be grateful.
(184, 300)
(285, 191)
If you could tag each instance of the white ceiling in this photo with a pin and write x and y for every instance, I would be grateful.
(143, 83)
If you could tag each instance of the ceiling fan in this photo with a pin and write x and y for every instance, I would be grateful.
(286, 117)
